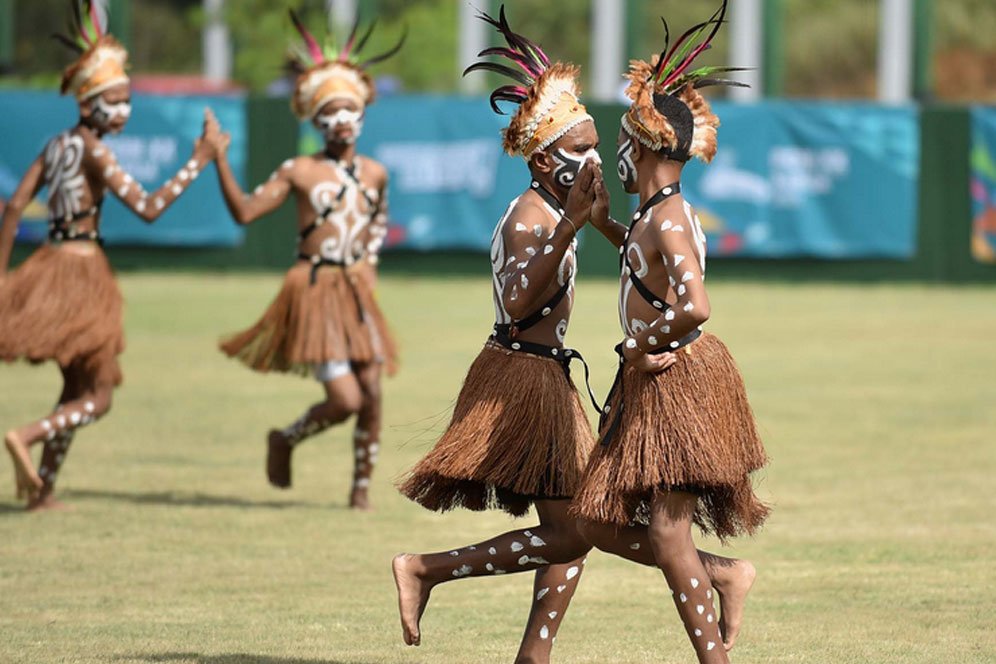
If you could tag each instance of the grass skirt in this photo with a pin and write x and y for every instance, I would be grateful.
(308, 324)
(689, 428)
(64, 306)
(518, 433)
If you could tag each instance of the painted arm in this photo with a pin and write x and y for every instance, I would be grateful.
(685, 276)
(534, 257)
(148, 206)
(30, 184)
(267, 197)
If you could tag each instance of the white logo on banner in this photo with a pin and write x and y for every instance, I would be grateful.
(723, 181)
(799, 173)
(437, 168)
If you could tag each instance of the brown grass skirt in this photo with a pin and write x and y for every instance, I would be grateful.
(518, 433)
(312, 323)
(689, 428)
(64, 306)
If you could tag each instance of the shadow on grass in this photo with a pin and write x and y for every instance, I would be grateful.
(233, 658)
(184, 499)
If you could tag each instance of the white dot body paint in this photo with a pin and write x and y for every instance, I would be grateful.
(140, 205)
(110, 170)
(709, 618)
(678, 229)
(652, 340)
(631, 343)
(183, 174)
(517, 546)
(489, 567)
(709, 594)
(192, 165)
(666, 225)
(530, 251)
(548, 249)
(536, 541)
(542, 593)
(538, 230)
(520, 227)
(553, 615)
(694, 582)
(123, 191)
(561, 589)
(710, 645)
(666, 329)
(46, 425)
(699, 609)
(669, 315)
(454, 553)
(287, 164)
(683, 597)
(544, 632)
(258, 190)
(525, 282)
(688, 307)
(159, 203)
(698, 632)
(492, 550)
(678, 258)
(687, 276)
(572, 572)
(636, 547)
(75, 418)
(177, 189)
(463, 570)
(525, 560)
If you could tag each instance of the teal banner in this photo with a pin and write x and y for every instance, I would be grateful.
(793, 179)
(983, 184)
(153, 146)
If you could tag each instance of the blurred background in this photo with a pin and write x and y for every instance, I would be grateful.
(866, 144)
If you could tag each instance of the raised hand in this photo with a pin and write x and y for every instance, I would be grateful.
(600, 208)
(581, 196)
(213, 141)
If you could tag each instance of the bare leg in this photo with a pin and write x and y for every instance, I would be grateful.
(342, 399)
(553, 590)
(366, 437)
(671, 540)
(732, 578)
(554, 543)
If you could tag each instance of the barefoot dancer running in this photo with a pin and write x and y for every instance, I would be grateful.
(677, 444)
(325, 321)
(63, 303)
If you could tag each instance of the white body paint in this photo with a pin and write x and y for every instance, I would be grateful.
(63, 175)
(341, 222)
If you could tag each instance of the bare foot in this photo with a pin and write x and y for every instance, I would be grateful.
(28, 481)
(732, 586)
(413, 595)
(360, 500)
(44, 502)
(278, 459)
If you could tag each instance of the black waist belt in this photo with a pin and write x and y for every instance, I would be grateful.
(563, 356)
(60, 235)
(318, 261)
(617, 385)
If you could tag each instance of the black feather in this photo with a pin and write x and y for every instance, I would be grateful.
(68, 43)
(504, 70)
(389, 53)
(366, 36)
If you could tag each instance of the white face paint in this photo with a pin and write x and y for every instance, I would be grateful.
(105, 114)
(570, 164)
(330, 123)
(625, 166)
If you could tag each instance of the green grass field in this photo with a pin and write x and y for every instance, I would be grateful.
(877, 405)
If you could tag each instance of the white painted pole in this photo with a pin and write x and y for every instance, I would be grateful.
(895, 51)
(608, 28)
(746, 48)
(473, 40)
(216, 44)
(342, 13)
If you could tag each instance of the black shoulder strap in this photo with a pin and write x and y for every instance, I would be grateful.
(641, 288)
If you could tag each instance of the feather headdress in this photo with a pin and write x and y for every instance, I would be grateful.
(547, 94)
(667, 112)
(325, 73)
(101, 60)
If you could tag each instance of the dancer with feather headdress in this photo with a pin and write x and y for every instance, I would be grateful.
(678, 442)
(325, 321)
(63, 303)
